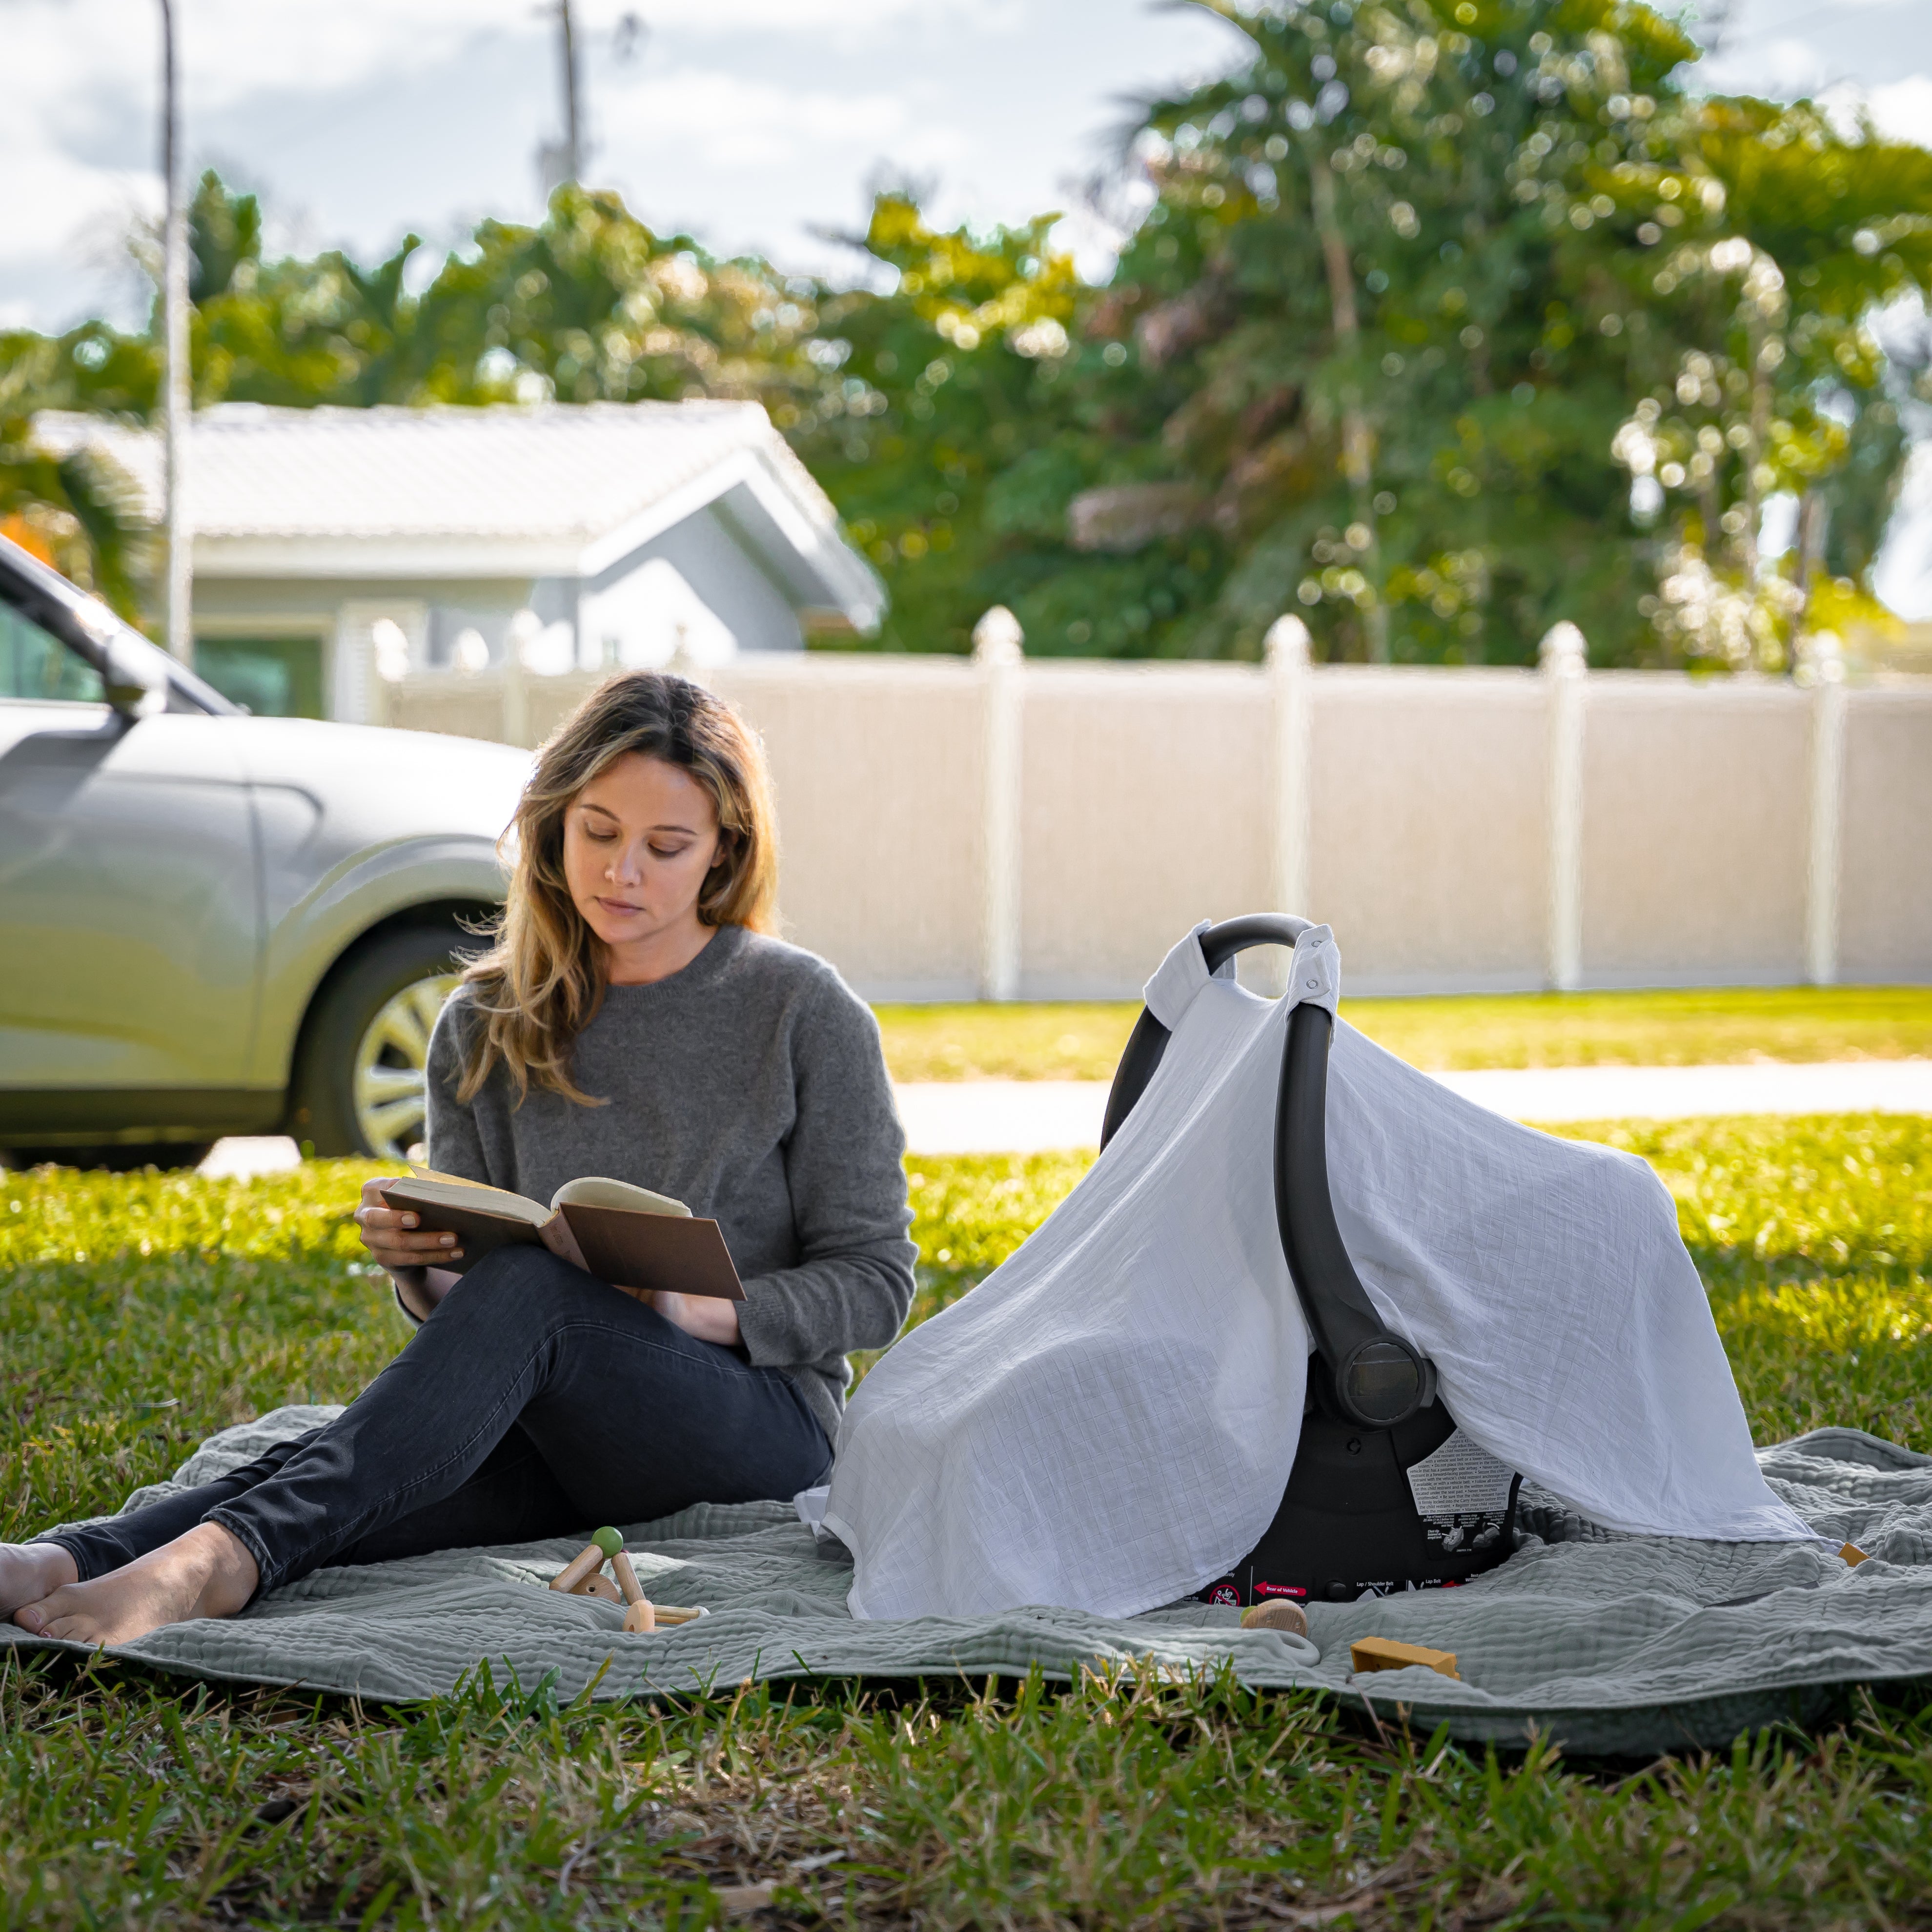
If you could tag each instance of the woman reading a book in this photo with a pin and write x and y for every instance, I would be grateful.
(635, 1019)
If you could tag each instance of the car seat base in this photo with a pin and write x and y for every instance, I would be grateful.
(1362, 1517)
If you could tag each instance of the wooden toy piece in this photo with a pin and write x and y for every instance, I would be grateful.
(600, 1586)
(1277, 1613)
(588, 1561)
(1854, 1555)
(639, 1616)
(627, 1577)
(668, 1614)
(1383, 1653)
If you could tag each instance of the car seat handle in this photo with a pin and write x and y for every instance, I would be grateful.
(1374, 1377)
(1220, 943)
(1148, 1040)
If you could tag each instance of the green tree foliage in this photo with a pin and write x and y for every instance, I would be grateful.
(70, 508)
(1450, 318)
(589, 304)
(1400, 390)
(1422, 289)
(592, 306)
(73, 510)
(930, 396)
(906, 405)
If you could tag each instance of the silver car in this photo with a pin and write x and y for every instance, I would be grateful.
(212, 923)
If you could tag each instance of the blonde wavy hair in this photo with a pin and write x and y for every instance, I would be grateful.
(543, 979)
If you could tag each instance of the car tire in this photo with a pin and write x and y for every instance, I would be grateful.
(359, 1088)
(111, 1156)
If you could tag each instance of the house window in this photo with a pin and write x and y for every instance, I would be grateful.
(274, 677)
(468, 637)
(651, 616)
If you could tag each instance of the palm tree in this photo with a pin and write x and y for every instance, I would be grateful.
(77, 511)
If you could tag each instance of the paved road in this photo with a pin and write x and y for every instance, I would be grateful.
(1679, 1093)
(1022, 1116)
(1032, 1116)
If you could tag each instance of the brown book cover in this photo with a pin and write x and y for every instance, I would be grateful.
(640, 1249)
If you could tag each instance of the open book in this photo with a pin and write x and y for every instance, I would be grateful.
(627, 1236)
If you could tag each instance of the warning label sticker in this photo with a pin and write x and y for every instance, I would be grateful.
(1461, 1478)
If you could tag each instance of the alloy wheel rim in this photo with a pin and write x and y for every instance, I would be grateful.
(390, 1082)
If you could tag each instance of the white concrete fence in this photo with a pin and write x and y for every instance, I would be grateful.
(1012, 828)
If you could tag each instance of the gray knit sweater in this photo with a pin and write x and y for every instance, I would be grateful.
(751, 1086)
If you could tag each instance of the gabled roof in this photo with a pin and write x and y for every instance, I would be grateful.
(555, 490)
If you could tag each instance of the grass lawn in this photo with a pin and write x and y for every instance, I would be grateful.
(140, 1312)
(1083, 1041)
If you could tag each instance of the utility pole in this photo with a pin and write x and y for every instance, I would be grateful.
(177, 399)
(573, 145)
(1357, 444)
(563, 160)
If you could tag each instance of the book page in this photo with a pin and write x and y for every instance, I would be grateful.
(446, 1191)
(595, 1192)
(557, 1235)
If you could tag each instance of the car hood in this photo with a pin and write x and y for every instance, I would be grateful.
(370, 786)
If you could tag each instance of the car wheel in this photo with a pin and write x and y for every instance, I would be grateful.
(111, 1157)
(360, 1084)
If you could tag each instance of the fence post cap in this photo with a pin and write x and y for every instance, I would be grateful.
(1821, 657)
(998, 638)
(1563, 650)
(1287, 642)
(390, 643)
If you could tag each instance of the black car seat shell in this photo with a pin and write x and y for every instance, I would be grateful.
(1359, 1516)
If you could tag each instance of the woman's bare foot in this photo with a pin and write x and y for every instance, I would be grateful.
(206, 1573)
(29, 1571)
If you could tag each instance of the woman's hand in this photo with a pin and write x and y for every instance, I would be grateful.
(705, 1316)
(396, 1237)
(412, 1255)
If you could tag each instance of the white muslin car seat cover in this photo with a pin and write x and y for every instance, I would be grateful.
(1108, 1421)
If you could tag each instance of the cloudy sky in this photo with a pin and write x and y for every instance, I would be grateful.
(752, 122)
(756, 124)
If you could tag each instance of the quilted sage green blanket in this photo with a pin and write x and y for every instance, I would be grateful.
(1609, 1644)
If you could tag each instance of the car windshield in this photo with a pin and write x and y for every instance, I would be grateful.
(38, 662)
(35, 664)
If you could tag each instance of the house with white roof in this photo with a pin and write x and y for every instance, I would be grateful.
(335, 546)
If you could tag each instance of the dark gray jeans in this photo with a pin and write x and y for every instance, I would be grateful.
(533, 1402)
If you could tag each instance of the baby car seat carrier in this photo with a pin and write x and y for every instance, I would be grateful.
(1386, 1493)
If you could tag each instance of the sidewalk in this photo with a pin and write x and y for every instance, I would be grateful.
(1030, 1116)
(1035, 1116)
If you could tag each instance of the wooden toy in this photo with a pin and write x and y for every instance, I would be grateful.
(1854, 1555)
(1383, 1653)
(582, 1577)
(639, 1615)
(588, 1561)
(1277, 1613)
